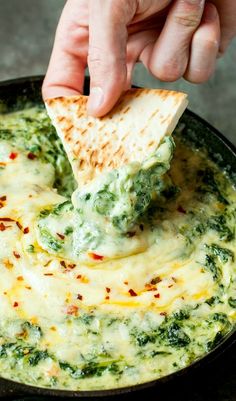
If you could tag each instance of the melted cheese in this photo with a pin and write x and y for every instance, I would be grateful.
(103, 320)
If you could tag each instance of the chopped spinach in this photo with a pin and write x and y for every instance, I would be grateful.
(49, 240)
(37, 135)
(224, 254)
(104, 201)
(218, 223)
(36, 356)
(32, 331)
(220, 317)
(232, 302)
(28, 353)
(61, 207)
(176, 337)
(143, 338)
(131, 187)
(212, 266)
(91, 369)
(69, 230)
(213, 301)
(216, 341)
(4, 349)
(31, 248)
(209, 185)
(181, 315)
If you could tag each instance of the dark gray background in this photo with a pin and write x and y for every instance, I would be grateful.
(26, 36)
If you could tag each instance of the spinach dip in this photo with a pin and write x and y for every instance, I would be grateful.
(130, 281)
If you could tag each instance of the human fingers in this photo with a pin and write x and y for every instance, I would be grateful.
(136, 47)
(204, 47)
(108, 21)
(169, 58)
(227, 13)
(65, 74)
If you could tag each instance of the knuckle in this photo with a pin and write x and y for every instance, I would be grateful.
(198, 75)
(197, 78)
(97, 58)
(189, 13)
(210, 45)
(188, 20)
(168, 72)
(102, 66)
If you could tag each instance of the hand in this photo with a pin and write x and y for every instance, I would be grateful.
(173, 39)
(227, 13)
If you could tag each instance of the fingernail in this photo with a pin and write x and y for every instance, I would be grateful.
(200, 2)
(210, 13)
(96, 98)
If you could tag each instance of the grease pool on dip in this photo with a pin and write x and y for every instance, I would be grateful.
(112, 323)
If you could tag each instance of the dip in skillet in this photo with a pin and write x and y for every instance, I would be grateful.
(69, 324)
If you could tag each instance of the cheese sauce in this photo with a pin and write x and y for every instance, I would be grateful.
(110, 323)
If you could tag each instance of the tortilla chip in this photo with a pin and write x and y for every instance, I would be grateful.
(131, 132)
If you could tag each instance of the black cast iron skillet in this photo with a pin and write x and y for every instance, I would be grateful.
(25, 92)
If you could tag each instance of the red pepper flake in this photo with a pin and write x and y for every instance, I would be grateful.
(6, 219)
(156, 280)
(132, 293)
(19, 225)
(20, 278)
(107, 297)
(126, 283)
(3, 227)
(95, 256)
(3, 198)
(71, 266)
(157, 295)
(79, 276)
(28, 287)
(61, 236)
(26, 230)
(17, 256)
(31, 156)
(13, 155)
(72, 310)
(150, 287)
(163, 314)
(181, 210)
(80, 297)
(48, 274)
(1, 205)
(174, 279)
(63, 264)
(15, 304)
(108, 290)
(169, 286)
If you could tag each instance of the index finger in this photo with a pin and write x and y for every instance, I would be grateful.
(65, 74)
(107, 52)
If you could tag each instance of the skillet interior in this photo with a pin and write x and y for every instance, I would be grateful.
(26, 92)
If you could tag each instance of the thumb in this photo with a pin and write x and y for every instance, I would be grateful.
(107, 53)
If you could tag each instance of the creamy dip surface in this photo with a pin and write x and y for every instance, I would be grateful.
(131, 280)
